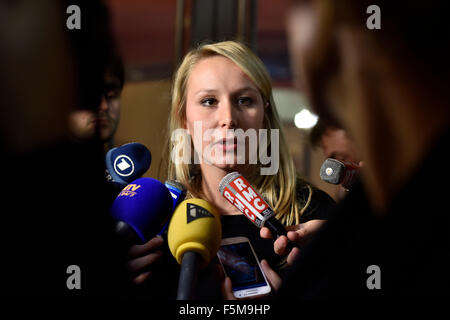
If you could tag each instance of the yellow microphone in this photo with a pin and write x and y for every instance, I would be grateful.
(194, 237)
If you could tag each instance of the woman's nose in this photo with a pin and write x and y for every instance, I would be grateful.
(227, 115)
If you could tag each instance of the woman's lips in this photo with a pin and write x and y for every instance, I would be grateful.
(227, 144)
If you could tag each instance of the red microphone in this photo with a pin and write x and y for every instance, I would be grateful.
(239, 192)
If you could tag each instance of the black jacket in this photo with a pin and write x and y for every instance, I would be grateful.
(410, 246)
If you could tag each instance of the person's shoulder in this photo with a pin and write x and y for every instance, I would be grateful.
(317, 204)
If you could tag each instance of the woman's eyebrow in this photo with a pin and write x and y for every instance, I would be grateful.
(203, 91)
(237, 91)
(244, 89)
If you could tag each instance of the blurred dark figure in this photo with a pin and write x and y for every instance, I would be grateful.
(102, 122)
(55, 201)
(389, 88)
(335, 143)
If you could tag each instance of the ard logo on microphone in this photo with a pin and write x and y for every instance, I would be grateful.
(123, 166)
(129, 190)
(195, 212)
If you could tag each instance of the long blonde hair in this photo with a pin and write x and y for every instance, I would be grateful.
(280, 190)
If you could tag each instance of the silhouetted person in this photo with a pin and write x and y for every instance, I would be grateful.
(54, 197)
(389, 88)
(102, 122)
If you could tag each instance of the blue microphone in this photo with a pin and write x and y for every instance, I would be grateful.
(178, 192)
(127, 163)
(141, 209)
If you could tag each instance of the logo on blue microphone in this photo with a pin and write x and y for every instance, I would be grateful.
(123, 166)
(129, 190)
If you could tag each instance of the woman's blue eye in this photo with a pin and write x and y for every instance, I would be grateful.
(208, 102)
(245, 101)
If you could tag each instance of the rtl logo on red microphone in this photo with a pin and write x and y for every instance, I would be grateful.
(241, 194)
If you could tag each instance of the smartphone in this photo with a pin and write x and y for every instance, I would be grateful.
(240, 263)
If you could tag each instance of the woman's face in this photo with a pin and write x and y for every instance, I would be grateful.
(220, 98)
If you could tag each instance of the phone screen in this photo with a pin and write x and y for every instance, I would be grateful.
(241, 266)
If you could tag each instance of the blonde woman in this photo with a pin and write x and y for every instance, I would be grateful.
(223, 119)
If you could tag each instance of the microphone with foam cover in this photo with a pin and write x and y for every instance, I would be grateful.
(194, 237)
(127, 163)
(339, 172)
(141, 209)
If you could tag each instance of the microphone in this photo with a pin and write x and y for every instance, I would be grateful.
(194, 237)
(141, 209)
(238, 191)
(178, 192)
(126, 163)
(339, 172)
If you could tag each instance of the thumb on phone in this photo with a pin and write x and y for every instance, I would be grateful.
(273, 278)
(226, 286)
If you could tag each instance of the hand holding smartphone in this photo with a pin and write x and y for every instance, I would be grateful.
(241, 265)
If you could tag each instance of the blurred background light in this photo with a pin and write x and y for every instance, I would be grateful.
(305, 119)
